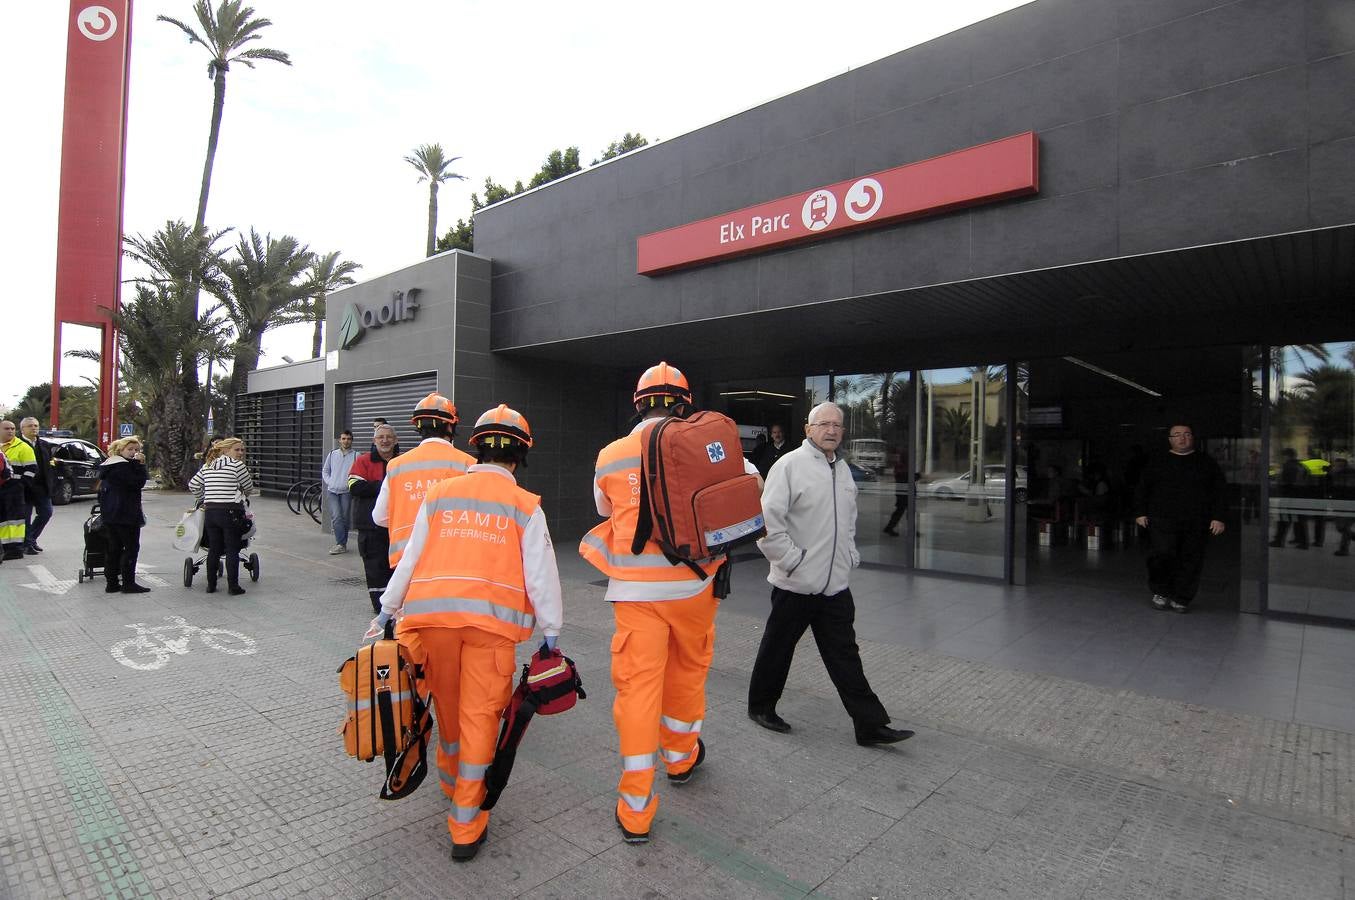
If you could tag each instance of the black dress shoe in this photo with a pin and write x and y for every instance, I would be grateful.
(112, 587)
(881, 734)
(135, 589)
(235, 590)
(770, 721)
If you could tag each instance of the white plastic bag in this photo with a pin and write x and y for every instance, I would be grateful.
(189, 531)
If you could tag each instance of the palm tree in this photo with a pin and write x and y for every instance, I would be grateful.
(224, 34)
(263, 286)
(428, 160)
(327, 274)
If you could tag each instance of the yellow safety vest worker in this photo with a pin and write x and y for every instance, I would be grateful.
(470, 572)
(408, 479)
(649, 575)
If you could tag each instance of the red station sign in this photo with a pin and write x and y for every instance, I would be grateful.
(994, 171)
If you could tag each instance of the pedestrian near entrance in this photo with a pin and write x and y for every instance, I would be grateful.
(334, 473)
(809, 503)
(767, 454)
(477, 574)
(22, 465)
(1180, 502)
(39, 499)
(665, 619)
(364, 484)
(222, 486)
(409, 477)
(121, 477)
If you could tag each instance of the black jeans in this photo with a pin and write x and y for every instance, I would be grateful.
(831, 618)
(124, 545)
(39, 513)
(1176, 557)
(374, 548)
(225, 527)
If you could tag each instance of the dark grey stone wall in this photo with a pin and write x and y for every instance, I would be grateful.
(1163, 124)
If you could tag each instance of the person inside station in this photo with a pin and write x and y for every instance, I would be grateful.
(665, 620)
(409, 475)
(477, 575)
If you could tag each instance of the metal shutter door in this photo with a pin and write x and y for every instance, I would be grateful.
(392, 399)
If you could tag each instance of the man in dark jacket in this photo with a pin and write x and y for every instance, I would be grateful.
(38, 494)
(1180, 501)
(364, 484)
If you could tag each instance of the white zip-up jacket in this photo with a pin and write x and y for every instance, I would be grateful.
(810, 508)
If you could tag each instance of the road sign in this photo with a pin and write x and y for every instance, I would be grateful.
(300, 401)
(126, 429)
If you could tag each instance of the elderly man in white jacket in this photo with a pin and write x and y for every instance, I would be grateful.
(809, 502)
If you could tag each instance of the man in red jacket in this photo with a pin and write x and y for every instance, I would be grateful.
(364, 483)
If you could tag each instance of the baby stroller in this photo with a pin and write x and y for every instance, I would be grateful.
(92, 563)
(250, 561)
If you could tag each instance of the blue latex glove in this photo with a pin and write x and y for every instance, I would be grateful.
(378, 626)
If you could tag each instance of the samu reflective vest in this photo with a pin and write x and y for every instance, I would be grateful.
(470, 571)
(408, 479)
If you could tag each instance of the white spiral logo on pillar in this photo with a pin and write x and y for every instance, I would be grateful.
(97, 23)
(863, 199)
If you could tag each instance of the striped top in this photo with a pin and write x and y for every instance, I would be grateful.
(222, 481)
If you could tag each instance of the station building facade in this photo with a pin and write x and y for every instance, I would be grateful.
(1015, 255)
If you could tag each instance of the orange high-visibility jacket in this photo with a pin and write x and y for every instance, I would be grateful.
(470, 572)
(649, 576)
(408, 479)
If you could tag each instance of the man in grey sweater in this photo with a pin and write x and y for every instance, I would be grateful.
(809, 502)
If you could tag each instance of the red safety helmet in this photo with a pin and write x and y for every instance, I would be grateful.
(434, 408)
(662, 385)
(502, 427)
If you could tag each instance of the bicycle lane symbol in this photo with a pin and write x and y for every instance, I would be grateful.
(153, 646)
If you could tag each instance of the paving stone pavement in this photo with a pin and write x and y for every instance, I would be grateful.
(216, 770)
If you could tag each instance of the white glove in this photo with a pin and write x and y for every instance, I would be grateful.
(378, 626)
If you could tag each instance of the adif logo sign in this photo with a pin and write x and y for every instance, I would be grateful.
(97, 23)
(356, 320)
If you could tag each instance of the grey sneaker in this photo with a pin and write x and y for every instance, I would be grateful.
(1159, 601)
(337, 549)
(1178, 607)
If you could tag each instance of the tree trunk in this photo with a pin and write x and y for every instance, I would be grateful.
(246, 361)
(432, 216)
(318, 310)
(218, 104)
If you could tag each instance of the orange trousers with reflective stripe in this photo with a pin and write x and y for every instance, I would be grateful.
(661, 652)
(470, 674)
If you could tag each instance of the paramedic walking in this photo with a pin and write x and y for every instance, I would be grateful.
(810, 506)
(409, 477)
(222, 486)
(121, 477)
(334, 473)
(665, 620)
(477, 575)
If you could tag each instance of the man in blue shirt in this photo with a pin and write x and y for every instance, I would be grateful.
(335, 476)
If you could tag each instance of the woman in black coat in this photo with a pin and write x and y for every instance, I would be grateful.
(121, 478)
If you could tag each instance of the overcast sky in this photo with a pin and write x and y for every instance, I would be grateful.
(315, 149)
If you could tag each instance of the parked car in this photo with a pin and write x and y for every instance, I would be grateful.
(859, 474)
(77, 467)
(868, 453)
(994, 485)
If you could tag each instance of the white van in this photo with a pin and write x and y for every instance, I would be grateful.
(868, 453)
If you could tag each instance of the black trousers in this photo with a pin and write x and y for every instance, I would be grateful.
(225, 527)
(374, 548)
(124, 545)
(831, 619)
(1176, 557)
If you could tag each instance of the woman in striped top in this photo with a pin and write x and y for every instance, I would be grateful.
(221, 486)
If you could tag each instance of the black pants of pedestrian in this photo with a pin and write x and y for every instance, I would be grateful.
(1300, 525)
(1176, 558)
(39, 513)
(900, 510)
(831, 618)
(124, 546)
(225, 528)
(374, 548)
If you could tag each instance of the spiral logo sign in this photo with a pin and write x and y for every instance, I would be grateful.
(97, 23)
(863, 199)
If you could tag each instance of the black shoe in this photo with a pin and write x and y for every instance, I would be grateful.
(211, 588)
(687, 775)
(112, 588)
(235, 590)
(881, 734)
(893, 532)
(770, 721)
(631, 837)
(466, 852)
(1179, 607)
(1341, 552)
(135, 588)
(31, 550)
(1277, 543)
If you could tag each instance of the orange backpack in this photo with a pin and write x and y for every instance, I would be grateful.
(386, 716)
(696, 500)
